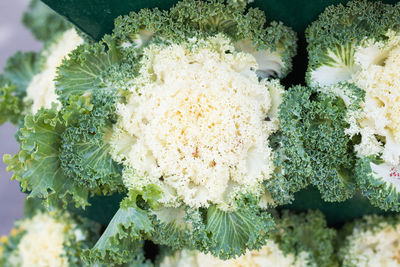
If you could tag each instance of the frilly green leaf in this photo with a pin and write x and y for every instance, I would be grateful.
(19, 70)
(316, 149)
(11, 106)
(380, 193)
(306, 232)
(82, 73)
(84, 151)
(227, 234)
(37, 165)
(120, 243)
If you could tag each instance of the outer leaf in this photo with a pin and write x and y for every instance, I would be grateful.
(10, 105)
(289, 157)
(20, 68)
(382, 192)
(172, 229)
(37, 166)
(43, 22)
(120, 242)
(84, 152)
(86, 88)
(227, 234)
(314, 147)
(82, 72)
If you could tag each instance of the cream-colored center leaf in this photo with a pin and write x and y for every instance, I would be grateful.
(41, 90)
(381, 109)
(197, 119)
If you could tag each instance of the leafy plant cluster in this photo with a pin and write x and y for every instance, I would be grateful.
(199, 87)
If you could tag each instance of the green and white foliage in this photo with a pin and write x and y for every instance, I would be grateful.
(40, 91)
(177, 108)
(27, 83)
(354, 53)
(346, 39)
(62, 155)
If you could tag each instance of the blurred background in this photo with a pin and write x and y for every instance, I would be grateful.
(13, 37)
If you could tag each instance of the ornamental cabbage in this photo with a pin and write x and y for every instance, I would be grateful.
(354, 53)
(175, 108)
(194, 124)
(47, 239)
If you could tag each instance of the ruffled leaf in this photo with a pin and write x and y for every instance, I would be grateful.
(379, 184)
(314, 148)
(20, 68)
(172, 228)
(120, 242)
(10, 105)
(227, 234)
(37, 165)
(82, 72)
(84, 152)
(306, 232)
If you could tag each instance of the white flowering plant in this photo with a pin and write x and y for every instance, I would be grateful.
(188, 117)
(48, 239)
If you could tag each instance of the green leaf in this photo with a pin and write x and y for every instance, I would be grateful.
(37, 165)
(382, 191)
(20, 68)
(228, 234)
(84, 153)
(172, 229)
(306, 232)
(95, 156)
(82, 72)
(43, 22)
(10, 105)
(120, 241)
(233, 232)
(313, 146)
